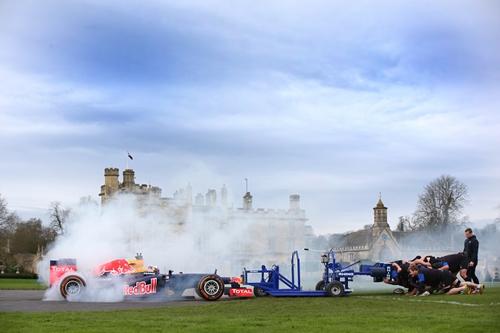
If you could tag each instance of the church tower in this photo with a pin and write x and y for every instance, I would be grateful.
(379, 218)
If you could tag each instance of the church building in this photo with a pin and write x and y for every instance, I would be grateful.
(374, 243)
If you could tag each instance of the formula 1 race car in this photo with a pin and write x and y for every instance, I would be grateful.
(138, 281)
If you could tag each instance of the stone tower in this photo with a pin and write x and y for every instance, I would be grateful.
(128, 179)
(211, 198)
(247, 201)
(111, 183)
(294, 202)
(379, 218)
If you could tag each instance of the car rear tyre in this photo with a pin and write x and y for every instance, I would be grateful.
(210, 287)
(71, 286)
(335, 289)
(320, 285)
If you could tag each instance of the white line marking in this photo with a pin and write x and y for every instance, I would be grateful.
(427, 301)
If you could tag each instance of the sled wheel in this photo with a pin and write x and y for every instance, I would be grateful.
(335, 289)
(259, 292)
(320, 285)
(72, 285)
(210, 287)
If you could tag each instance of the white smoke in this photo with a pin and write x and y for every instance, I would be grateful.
(167, 238)
(120, 229)
(96, 290)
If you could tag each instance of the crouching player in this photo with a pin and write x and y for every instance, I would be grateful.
(450, 262)
(399, 276)
(434, 280)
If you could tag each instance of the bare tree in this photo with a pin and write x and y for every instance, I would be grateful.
(404, 224)
(441, 204)
(3, 211)
(58, 216)
(8, 220)
(5, 231)
(8, 225)
(31, 236)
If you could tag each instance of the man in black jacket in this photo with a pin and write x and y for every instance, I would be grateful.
(471, 249)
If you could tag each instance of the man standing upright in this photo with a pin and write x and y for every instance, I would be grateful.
(471, 249)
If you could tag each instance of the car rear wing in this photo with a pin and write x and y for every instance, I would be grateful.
(60, 267)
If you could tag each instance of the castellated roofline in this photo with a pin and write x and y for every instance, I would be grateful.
(111, 172)
(351, 248)
(274, 213)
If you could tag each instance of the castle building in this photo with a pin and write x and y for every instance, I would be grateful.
(259, 233)
(275, 233)
(113, 186)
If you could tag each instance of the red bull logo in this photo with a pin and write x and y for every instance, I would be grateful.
(115, 267)
(141, 288)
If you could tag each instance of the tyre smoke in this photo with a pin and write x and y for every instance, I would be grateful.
(168, 238)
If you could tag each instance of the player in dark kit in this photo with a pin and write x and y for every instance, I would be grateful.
(451, 262)
(435, 280)
(400, 275)
(426, 279)
(471, 249)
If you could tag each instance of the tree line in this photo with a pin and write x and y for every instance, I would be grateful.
(31, 236)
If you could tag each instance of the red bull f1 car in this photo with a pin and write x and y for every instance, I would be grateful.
(138, 281)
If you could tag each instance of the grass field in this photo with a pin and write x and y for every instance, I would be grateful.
(20, 284)
(367, 312)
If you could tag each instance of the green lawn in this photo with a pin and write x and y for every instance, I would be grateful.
(20, 284)
(367, 313)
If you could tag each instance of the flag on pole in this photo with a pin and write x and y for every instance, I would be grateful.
(130, 156)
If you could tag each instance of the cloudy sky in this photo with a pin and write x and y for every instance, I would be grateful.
(335, 100)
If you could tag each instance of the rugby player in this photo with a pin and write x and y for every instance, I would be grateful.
(400, 275)
(450, 262)
(434, 280)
